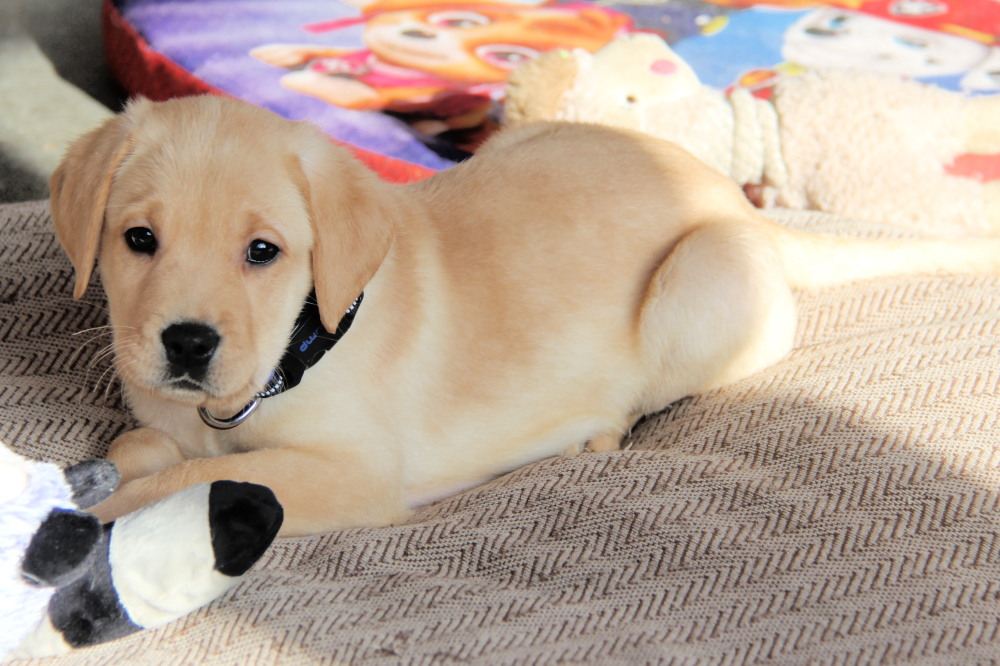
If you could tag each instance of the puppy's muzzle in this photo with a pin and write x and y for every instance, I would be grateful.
(189, 348)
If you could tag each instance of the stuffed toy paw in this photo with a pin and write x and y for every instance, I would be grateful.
(68, 581)
(857, 143)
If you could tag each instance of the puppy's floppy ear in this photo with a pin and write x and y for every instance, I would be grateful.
(79, 187)
(353, 215)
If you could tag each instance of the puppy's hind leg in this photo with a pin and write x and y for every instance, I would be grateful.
(717, 309)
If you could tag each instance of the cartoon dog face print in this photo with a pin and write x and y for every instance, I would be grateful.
(483, 43)
(839, 38)
(413, 56)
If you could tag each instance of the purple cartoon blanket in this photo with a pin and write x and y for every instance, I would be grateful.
(420, 82)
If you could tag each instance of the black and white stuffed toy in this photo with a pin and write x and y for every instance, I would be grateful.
(67, 581)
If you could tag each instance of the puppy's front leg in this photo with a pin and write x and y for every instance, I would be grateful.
(319, 490)
(142, 452)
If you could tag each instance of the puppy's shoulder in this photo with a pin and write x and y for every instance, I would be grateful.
(549, 134)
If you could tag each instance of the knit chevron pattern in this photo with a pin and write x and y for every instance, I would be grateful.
(841, 507)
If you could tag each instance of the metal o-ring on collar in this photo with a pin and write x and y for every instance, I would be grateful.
(213, 421)
(275, 385)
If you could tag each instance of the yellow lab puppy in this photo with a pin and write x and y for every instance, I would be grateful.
(539, 297)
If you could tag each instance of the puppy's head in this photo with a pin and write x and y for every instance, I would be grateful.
(211, 220)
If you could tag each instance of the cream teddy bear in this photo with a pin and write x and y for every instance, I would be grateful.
(861, 144)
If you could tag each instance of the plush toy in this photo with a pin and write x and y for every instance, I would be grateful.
(863, 144)
(67, 581)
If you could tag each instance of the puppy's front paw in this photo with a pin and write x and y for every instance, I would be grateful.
(143, 452)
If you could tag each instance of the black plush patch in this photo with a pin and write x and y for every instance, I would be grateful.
(61, 549)
(244, 519)
(88, 610)
(92, 481)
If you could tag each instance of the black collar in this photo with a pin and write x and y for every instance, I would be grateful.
(310, 340)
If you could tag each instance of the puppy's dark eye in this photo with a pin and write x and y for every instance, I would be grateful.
(141, 240)
(262, 252)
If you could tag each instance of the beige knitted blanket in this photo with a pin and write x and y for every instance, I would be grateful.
(839, 508)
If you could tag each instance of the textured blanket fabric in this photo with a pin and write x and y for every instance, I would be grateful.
(840, 508)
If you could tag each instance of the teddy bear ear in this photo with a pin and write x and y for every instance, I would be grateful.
(535, 89)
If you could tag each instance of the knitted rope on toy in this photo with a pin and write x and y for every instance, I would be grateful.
(756, 141)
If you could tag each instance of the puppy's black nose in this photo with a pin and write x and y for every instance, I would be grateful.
(189, 348)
